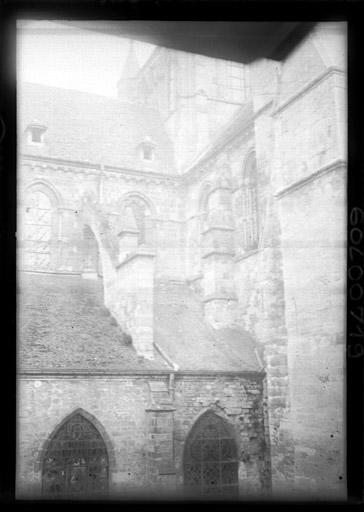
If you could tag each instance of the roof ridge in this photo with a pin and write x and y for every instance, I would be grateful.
(79, 91)
(115, 99)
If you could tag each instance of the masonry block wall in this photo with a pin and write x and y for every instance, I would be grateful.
(131, 299)
(117, 403)
(289, 424)
(313, 197)
(305, 121)
(316, 351)
(239, 401)
(109, 189)
(312, 104)
(145, 424)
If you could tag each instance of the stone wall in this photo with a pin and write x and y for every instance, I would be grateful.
(109, 189)
(118, 404)
(239, 401)
(146, 420)
(290, 291)
(315, 318)
(300, 140)
(309, 185)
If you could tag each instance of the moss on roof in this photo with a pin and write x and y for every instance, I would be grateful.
(190, 342)
(62, 323)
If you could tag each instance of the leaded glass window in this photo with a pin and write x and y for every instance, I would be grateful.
(76, 461)
(211, 459)
(38, 232)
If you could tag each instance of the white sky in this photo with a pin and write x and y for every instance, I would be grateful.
(55, 54)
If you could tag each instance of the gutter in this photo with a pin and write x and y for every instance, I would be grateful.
(54, 373)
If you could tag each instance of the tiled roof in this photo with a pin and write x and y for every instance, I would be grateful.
(62, 324)
(92, 128)
(192, 344)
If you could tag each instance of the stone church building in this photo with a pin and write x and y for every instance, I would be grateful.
(181, 289)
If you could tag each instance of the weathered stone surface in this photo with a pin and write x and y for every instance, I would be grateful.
(252, 266)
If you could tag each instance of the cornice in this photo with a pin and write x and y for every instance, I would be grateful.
(137, 254)
(332, 166)
(306, 88)
(219, 296)
(218, 253)
(99, 169)
(55, 373)
(217, 228)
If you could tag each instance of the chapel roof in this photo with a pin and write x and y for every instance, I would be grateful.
(92, 128)
(190, 342)
(63, 325)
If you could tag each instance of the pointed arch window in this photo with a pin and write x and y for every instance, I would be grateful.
(39, 228)
(141, 212)
(76, 462)
(250, 205)
(211, 459)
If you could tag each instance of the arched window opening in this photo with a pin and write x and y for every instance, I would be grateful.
(147, 149)
(76, 462)
(39, 229)
(211, 459)
(141, 213)
(250, 206)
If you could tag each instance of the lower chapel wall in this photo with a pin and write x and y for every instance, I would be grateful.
(146, 421)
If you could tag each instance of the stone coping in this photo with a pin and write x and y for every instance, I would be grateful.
(217, 253)
(219, 296)
(138, 253)
(66, 373)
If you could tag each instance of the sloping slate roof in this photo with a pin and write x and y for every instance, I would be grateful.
(190, 343)
(62, 324)
(241, 120)
(92, 128)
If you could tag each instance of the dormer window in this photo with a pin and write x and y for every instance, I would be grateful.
(147, 150)
(35, 134)
(147, 153)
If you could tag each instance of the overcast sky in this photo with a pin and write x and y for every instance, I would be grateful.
(55, 54)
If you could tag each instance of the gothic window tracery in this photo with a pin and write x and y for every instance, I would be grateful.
(211, 459)
(250, 205)
(40, 226)
(76, 461)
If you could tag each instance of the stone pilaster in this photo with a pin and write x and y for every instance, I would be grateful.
(218, 258)
(160, 435)
(133, 299)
